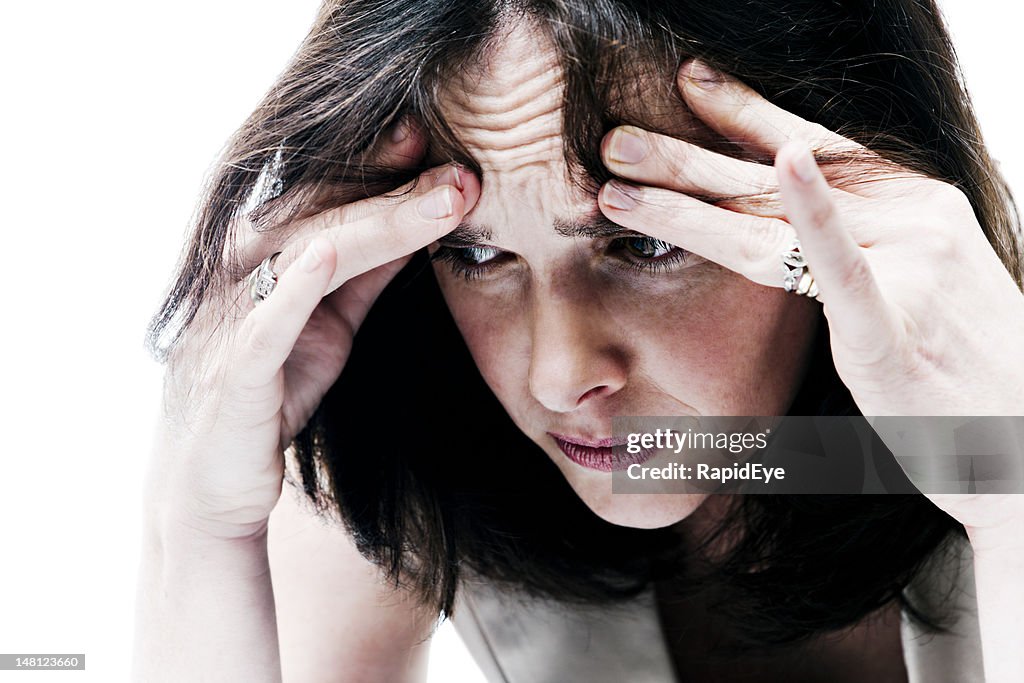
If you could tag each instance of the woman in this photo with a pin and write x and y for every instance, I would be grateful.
(607, 242)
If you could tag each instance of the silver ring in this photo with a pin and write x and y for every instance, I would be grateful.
(796, 275)
(263, 279)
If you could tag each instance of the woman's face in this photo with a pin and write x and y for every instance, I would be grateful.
(571, 324)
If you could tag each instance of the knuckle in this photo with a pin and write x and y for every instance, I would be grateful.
(739, 115)
(390, 234)
(242, 244)
(765, 182)
(762, 241)
(951, 211)
(941, 245)
(323, 220)
(256, 338)
(346, 213)
(369, 247)
(952, 201)
(814, 134)
(822, 212)
(677, 161)
(856, 276)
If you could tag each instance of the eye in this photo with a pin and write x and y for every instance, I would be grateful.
(646, 247)
(477, 255)
(469, 262)
(642, 253)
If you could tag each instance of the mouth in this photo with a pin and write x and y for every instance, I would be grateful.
(604, 455)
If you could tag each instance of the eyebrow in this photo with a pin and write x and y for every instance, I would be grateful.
(593, 226)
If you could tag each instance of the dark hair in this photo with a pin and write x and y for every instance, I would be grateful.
(401, 444)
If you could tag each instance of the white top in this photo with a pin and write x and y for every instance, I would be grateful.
(520, 639)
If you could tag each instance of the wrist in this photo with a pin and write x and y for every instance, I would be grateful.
(186, 545)
(173, 513)
(185, 556)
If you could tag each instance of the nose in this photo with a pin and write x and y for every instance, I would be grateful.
(574, 358)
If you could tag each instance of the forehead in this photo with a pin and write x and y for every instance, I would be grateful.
(506, 107)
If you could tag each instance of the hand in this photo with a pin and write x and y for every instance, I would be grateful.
(924, 319)
(239, 387)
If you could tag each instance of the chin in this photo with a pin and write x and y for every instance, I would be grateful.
(641, 510)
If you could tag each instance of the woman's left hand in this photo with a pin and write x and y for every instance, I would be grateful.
(924, 318)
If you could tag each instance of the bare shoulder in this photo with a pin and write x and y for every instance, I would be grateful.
(336, 619)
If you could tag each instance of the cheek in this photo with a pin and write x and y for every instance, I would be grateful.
(494, 333)
(735, 348)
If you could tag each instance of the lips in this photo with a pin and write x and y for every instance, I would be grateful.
(604, 455)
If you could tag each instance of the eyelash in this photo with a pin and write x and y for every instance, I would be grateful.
(453, 257)
(657, 264)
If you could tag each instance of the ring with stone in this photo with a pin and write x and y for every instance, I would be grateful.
(263, 279)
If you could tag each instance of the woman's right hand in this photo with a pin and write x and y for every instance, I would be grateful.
(239, 387)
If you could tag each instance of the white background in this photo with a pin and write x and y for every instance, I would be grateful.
(112, 114)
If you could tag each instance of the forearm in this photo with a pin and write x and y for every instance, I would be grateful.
(999, 578)
(205, 609)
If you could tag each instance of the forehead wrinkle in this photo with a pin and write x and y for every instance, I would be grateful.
(506, 107)
(521, 132)
(525, 104)
(527, 88)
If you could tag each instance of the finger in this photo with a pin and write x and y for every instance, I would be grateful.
(664, 161)
(739, 113)
(271, 329)
(353, 300)
(858, 316)
(371, 206)
(426, 209)
(747, 244)
(399, 146)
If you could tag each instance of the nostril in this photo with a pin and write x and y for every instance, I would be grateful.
(593, 393)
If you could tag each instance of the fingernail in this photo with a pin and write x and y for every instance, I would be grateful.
(627, 147)
(437, 204)
(703, 76)
(618, 195)
(804, 165)
(450, 176)
(310, 258)
(399, 131)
